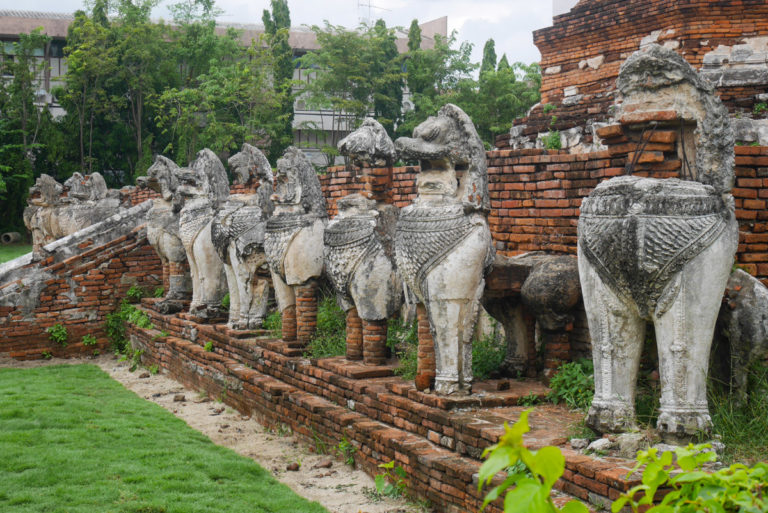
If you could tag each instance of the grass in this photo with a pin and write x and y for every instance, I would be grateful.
(331, 336)
(73, 440)
(11, 251)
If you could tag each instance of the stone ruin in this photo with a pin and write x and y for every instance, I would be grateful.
(204, 188)
(238, 232)
(659, 250)
(294, 244)
(163, 231)
(442, 241)
(57, 210)
(359, 247)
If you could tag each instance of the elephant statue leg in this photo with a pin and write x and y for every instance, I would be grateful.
(684, 337)
(210, 272)
(234, 290)
(618, 332)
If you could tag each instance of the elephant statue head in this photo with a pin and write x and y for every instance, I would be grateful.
(369, 145)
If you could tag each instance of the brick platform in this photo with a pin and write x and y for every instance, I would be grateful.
(437, 440)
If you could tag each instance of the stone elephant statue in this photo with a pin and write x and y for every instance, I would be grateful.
(204, 187)
(359, 247)
(660, 250)
(163, 231)
(238, 232)
(443, 243)
(294, 243)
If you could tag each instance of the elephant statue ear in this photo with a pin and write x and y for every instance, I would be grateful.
(473, 183)
(210, 170)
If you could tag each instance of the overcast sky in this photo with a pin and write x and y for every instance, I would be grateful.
(508, 22)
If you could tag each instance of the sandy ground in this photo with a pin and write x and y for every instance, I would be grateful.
(322, 478)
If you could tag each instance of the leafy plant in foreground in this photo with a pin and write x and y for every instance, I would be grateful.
(135, 293)
(736, 488)
(58, 333)
(533, 482)
(89, 340)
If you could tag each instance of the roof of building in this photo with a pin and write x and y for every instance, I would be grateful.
(14, 22)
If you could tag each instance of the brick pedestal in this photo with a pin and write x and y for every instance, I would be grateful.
(425, 364)
(289, 324)
(306, 311)
(557, 349)
(354, 335)
(375, 350)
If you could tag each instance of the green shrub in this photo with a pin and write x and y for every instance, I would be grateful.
(208, 346)
(331, 335)
(573, 384)
(274, 323)
(488, 354)
(759, 108)
(89, 340)
(530, 475)
(135, 293)
(159, 292)
(58, 333)
(548, 107)
(732, 489)
(225, 302)
(114, 324)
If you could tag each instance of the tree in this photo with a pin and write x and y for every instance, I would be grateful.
(276, 26)
(91, 63)
(488, 63)
(358, 73)
(21, 122)
(234, 103)
(414, 36)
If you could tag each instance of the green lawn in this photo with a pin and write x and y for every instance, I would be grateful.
(73, 440)
(11, 251)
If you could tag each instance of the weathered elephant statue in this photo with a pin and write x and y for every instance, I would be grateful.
(238, 231)
(204, 188)
(56, 210)
(294, 243)
(443, 243)
(359, 250)
(163, 231)
(660, 250)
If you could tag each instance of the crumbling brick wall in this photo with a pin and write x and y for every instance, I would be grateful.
(582, 51)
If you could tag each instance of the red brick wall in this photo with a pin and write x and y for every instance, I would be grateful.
(536, 194)
(80, 292)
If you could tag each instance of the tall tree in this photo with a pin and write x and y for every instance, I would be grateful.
(488, 63)
(387, 75)
(20, 122)
(277, 25)
(414, 36)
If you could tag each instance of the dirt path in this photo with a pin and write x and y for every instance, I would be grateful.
(322, 478)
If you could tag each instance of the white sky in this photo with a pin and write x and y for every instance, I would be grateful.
(509, 22)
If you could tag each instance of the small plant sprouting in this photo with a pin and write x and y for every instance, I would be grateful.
(154, 369)
(320, 446)
(346, 451)
(529, 400)
(573, 384)
(548, 107)
(392, 483)
(47, 355)
(208, 346)
(274, 323)
(136, 360)
(759, 108)
(89, 340)
(225, 301)
(159, 292)
(58, 333)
